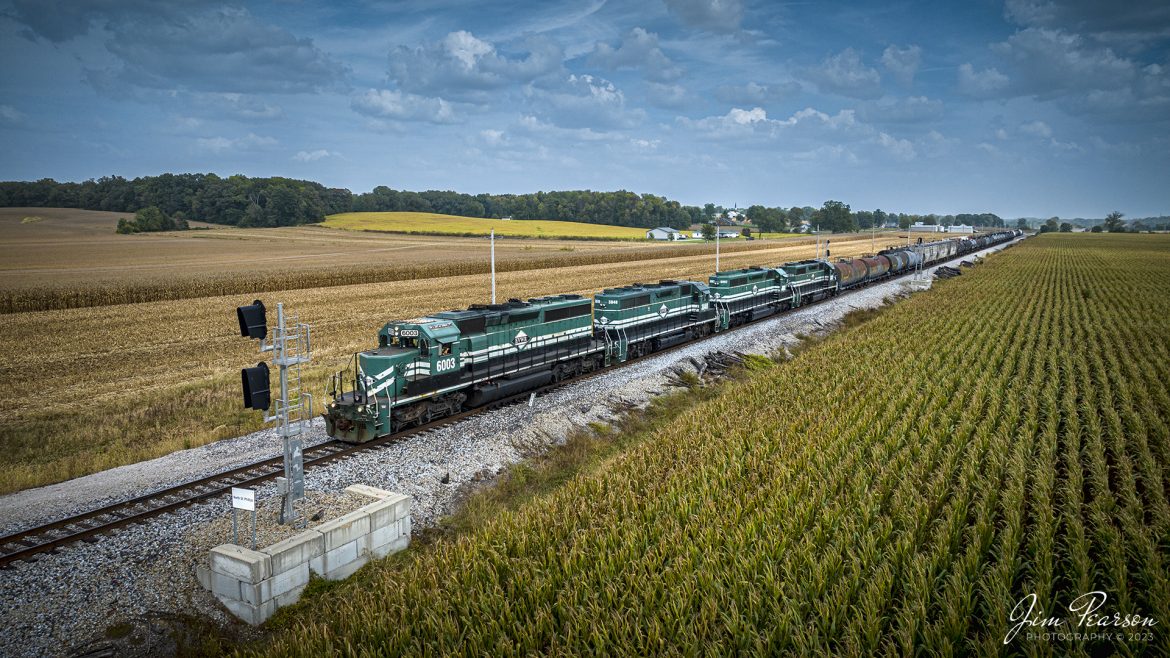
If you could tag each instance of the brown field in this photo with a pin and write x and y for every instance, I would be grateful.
(86, 389)
(73, 258)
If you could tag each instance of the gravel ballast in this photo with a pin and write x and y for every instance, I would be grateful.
(67, 599)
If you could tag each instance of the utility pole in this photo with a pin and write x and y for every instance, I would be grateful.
(493, 238)
(716, 246)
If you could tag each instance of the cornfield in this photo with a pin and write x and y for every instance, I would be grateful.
(900, 501)
(135, 290)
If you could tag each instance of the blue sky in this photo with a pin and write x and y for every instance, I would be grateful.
(1022, 108)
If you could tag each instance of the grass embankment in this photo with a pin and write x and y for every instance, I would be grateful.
(433, 224)
(901, 501)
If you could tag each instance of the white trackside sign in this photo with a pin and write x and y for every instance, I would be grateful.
(244, 499)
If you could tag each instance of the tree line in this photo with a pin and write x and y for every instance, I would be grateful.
(275, 201)
(261, 202)
(838, 217)
(1113, 223)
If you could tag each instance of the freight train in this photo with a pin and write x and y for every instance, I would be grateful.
(435, 366)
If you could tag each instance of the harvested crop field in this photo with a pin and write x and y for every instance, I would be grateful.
(53, 258)
(898, 502)
(428, 222)
(92, 388)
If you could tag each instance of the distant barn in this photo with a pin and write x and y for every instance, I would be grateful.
(664, 233)
(930, 228)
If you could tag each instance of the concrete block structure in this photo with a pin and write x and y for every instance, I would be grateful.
(254, 584)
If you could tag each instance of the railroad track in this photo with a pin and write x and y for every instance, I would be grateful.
(28, 545)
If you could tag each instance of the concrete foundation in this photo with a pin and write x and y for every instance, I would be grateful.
(254, 584)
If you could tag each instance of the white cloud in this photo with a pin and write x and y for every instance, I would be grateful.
(722, 16)
(207, 49)
(845, 74)
(1133, 21)
(586, 101)
(492, 137)
(981, 84)
(313, 156)
(900, 149)
(249, 142)
(754, 93)
(912, 109)
(1084, 75)
(666, 95)
(10, 115)
(740, 122)
(1036, 129)
(531, 125)
(237, 105)
(464, 67)
(639, 49)
(394, 104)
(1122, 149)
(1051, 61)
(902, 63)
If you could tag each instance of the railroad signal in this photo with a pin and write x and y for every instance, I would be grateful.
(255, 383)
(253, 322)
(293, 409)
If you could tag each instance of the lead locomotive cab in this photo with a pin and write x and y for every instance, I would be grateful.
(431, 367)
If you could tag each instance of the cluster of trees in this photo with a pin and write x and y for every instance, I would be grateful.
(619, 208)
(243, 201)
(153, 219)
(235, 200)
(838, 217)
(1113, 223)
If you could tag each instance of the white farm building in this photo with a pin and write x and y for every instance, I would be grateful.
(930, 228)
(664, 233)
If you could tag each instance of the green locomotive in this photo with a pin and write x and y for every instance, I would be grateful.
(740, 296)
(642, 318)
(432, 367)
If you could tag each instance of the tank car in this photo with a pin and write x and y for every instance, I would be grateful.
(850, 272)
